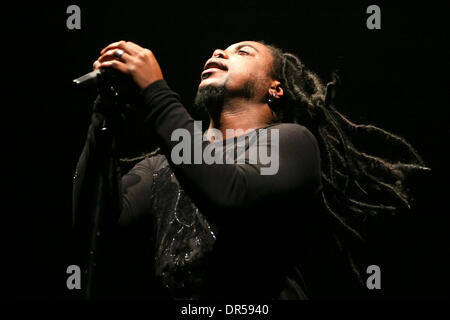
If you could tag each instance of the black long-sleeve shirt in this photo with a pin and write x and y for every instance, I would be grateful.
(220, 230)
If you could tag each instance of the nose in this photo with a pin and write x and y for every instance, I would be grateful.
(219, 53)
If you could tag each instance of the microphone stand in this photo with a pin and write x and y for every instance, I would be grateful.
(98, 210)
(101, 197)
(118, 90)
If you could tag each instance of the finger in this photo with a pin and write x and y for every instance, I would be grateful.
(124, 45)
(96, 65)
(114, 45)
(116, 64)
(134, 46)
(112, 54)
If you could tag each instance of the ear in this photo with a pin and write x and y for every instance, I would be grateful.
(276, 90)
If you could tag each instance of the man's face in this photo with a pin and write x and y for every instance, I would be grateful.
(241, 69)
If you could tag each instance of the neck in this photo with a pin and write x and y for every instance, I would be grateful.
(242, 115)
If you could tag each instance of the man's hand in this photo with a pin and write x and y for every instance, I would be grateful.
(138, 62)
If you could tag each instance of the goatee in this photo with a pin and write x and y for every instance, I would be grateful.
(210, 99)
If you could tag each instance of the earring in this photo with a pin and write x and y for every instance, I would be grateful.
(270, 100)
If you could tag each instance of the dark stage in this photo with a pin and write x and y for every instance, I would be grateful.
(396, 78)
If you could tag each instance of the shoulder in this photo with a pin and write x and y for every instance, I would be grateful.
(297, 144)
(293, 133)
(299, 155)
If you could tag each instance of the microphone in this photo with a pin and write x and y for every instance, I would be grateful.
(110, 81)
(102, 76)
(112, 85)
(88, 79)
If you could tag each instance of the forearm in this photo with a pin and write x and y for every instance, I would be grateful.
(232, 186)
(218, 185)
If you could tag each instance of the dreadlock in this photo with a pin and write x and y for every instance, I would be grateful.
(356, 184)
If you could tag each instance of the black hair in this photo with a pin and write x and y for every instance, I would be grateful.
(356, 184)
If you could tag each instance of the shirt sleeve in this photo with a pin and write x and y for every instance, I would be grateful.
(124, 198)
(136, 191)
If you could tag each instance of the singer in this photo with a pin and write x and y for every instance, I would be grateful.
(224, 230)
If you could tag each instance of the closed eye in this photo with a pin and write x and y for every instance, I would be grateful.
(243, 52)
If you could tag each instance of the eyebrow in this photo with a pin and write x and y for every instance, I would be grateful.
(246, 45)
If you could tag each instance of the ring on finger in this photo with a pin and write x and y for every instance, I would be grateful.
(119, 53)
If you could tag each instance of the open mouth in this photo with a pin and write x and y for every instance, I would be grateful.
(212, 66)
(208, 72)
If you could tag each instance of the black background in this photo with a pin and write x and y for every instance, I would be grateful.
(396, 78)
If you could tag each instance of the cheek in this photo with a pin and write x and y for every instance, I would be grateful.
(237, 79)
(258, 81)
